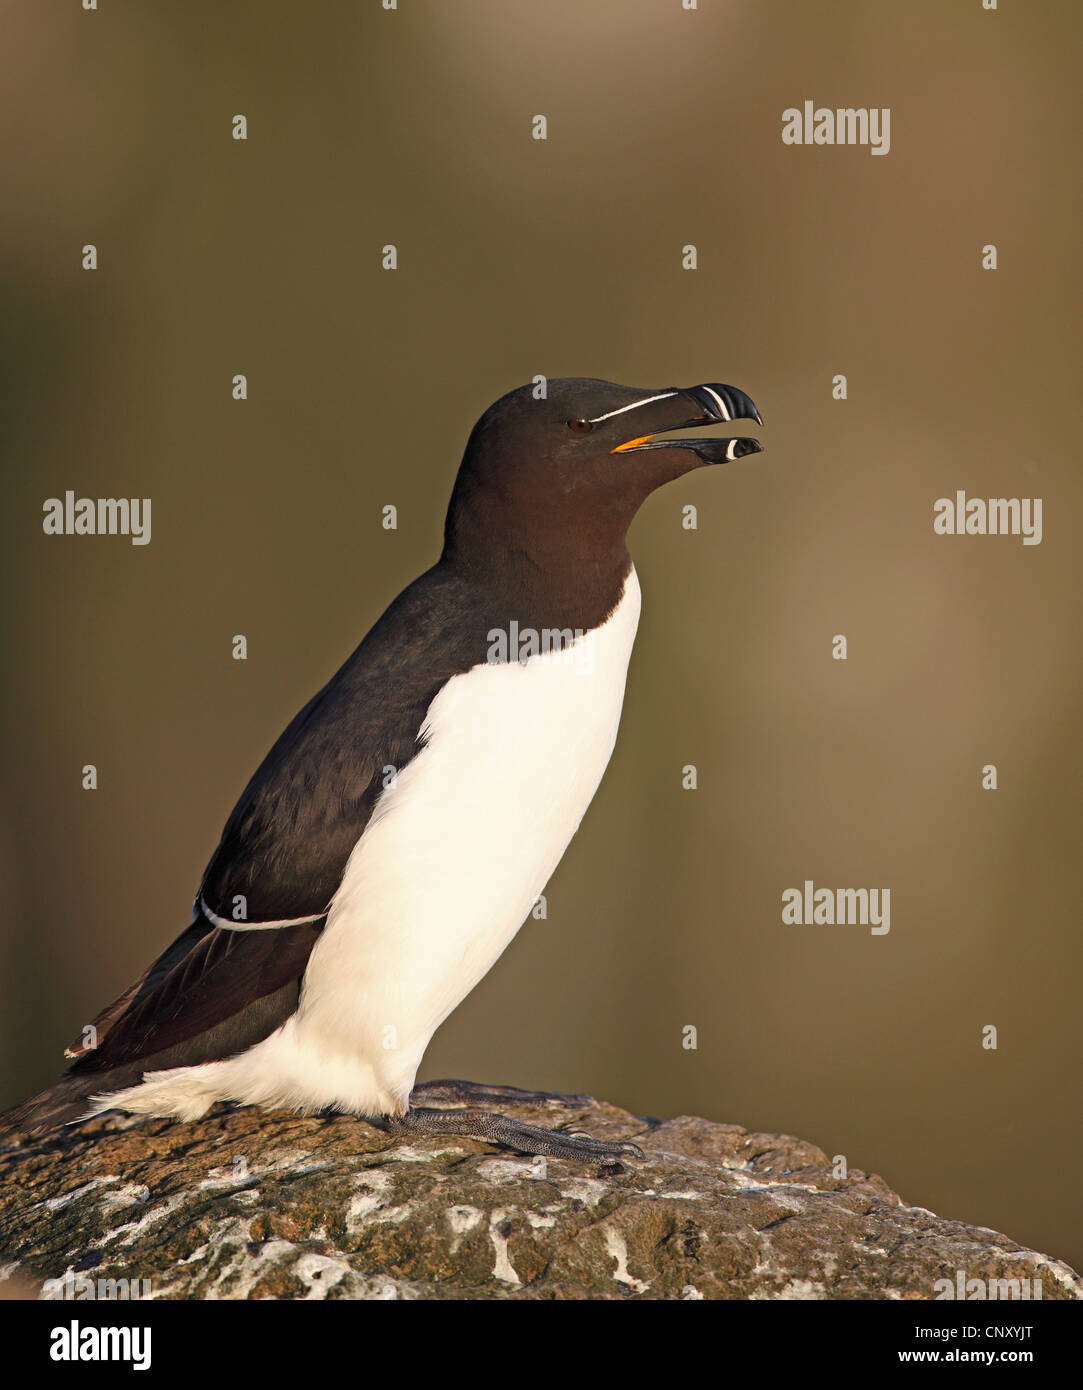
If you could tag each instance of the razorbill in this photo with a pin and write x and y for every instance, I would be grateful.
(397, 835)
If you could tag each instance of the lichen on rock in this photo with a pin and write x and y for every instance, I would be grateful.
(245, 1204)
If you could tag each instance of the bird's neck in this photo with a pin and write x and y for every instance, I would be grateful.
(551, 581)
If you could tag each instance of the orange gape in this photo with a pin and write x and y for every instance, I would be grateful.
(632, 443)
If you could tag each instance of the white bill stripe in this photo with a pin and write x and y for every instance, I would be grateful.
(721, 403)
(634, 406)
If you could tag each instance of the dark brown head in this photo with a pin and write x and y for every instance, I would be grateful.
(556, 481)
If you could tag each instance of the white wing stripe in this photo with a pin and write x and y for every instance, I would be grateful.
(254, 926)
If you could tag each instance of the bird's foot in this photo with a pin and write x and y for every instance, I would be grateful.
(453, 1091)
(512, 1134)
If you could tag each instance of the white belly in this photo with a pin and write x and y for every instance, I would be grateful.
(458, 850)
(448, 868)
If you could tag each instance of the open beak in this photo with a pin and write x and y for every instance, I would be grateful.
(716, 404)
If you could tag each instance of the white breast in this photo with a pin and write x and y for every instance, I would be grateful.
(449, 866)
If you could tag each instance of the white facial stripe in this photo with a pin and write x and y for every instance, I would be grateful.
(634, 406)
(721, 403)
(217, 921)
(730, 455)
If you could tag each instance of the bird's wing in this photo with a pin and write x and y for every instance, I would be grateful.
(234, 975)
(284, 848)
(227, 991)
(92, 1036)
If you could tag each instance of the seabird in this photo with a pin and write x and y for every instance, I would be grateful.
(400, 830)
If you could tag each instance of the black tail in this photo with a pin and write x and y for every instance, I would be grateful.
(68, 1100)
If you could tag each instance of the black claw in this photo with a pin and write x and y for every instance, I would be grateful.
(453, 1091)
(511, 1134)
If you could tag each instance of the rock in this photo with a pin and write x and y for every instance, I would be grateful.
(244, 1204)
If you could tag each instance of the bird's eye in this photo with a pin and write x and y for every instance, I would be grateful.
(580, 426)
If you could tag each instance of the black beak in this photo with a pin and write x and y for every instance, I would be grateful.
(717, 404)
(724, 402)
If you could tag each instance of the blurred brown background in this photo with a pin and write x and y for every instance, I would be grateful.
(519, 257)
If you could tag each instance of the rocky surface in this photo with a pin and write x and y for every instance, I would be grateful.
(251, 1205)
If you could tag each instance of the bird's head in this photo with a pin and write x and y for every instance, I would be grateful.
(567, 471)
